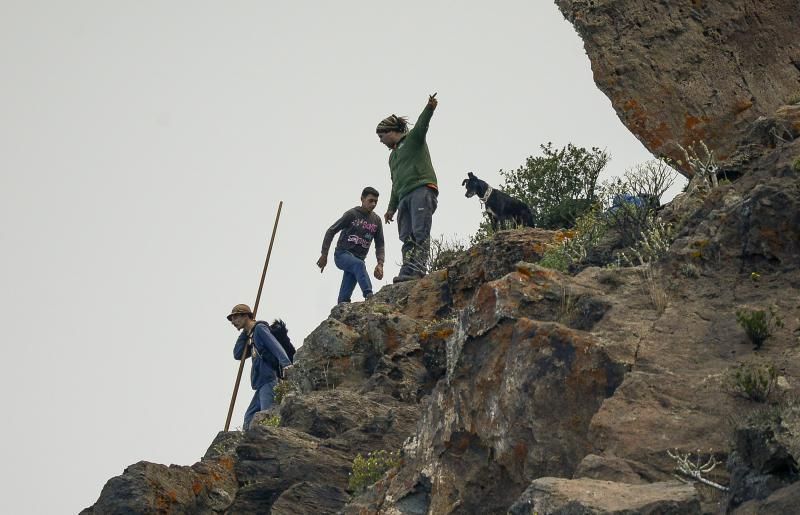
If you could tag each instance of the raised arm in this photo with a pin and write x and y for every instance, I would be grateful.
(420, 129)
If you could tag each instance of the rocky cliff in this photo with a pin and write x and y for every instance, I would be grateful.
(506, 387)
(681, 71)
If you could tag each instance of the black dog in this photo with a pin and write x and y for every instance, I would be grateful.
(501, 207)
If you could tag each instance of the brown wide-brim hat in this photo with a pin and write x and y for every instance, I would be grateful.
(240, 309)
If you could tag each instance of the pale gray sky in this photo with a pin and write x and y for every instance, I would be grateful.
(144, 147)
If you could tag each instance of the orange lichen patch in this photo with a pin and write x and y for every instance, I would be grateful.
(566, 234)
(226, 462)
(392, 341)
(544, 275)
(691, 122)
(443, 334)
(164, 502)
(696, 128)
(197, 487)
(524, 271)
(540, 248)
(650, 130)
(742, 105)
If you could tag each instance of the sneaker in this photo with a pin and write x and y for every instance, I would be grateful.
(368, 296)
(403, 278)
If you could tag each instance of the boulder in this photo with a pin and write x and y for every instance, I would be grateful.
(683, 71)
(489, 427)
(206, 487)
(556, 496)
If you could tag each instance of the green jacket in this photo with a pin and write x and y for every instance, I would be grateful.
(410, 162)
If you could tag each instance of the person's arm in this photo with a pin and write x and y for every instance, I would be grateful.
(420, 129)
(337, 226)
(380, 245)
(266, 343)
(393, 201)
(238, 349)
(379, 251)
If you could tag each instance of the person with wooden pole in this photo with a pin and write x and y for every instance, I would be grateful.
(248, 341)
(267, 355)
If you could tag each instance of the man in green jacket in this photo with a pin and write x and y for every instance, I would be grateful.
(414, 188)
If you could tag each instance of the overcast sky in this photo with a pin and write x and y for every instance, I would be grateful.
(144, 147)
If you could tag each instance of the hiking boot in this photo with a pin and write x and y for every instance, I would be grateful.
(368, 296)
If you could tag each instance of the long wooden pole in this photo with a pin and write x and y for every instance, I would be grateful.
(255, 310)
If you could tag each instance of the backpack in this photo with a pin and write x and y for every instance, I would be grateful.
(278, 329)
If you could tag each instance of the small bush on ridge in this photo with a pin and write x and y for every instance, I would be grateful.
(753, 380)
(759, 324)
(283, 388)
(273, 421)
(559, 185)
(366, 471)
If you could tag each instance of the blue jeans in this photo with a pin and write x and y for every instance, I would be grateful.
(262, 399)
(355, 271)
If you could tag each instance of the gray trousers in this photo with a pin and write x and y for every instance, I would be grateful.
(414, 220)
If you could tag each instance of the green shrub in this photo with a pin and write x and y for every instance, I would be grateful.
(366, 471)
(759, 324)
(559, 185)
(796, 165)
(556, 258)
(284, 388)
(575, 244)
(753, 380)
(690, 270)
(444, 251)
(652, 246)
(272, 421)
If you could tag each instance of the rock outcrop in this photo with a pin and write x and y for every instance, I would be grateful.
(507, 386)
(578, 496)
(683, 71)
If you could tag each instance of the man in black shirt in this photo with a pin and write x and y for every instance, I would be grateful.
(358, 226)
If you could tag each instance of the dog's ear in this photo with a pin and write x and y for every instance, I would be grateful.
(470, 175)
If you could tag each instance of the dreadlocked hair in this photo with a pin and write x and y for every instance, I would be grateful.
(393, 123)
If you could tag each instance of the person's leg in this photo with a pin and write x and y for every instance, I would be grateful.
(422, 205)
(348, 278)
(266, 395)
(252, 409)
(357, 269)
(404, 231)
